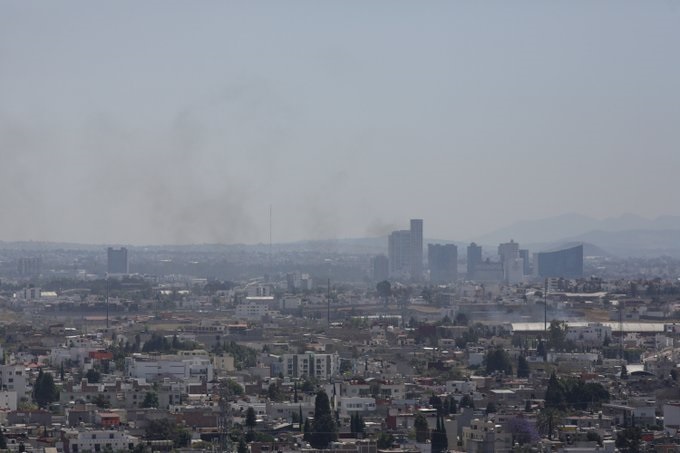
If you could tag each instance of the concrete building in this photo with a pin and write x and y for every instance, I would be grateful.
(474, 258)
(399, 254)
(319, 366)
(524, 254)
(29, 267)
(416, 258)
(566, 263)
(14, 378)
(443, 262)
(80, 441)
(381, 268)
(155, 368)
(117, 261)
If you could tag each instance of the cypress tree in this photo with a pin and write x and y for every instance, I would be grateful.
(324, 429)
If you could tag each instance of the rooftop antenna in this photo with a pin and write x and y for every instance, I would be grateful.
(270, 236)
(329, 302)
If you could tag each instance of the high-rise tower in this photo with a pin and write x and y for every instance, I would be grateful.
(474, 258)
(117, 261)
(416, 249)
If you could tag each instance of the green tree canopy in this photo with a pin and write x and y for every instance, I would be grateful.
(44, 389)
(324, 429)
(498, 360)
(523, 369)
(251, 418)
(422, 429)
(150, 400)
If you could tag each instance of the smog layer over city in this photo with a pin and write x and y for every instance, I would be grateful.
(360, 227)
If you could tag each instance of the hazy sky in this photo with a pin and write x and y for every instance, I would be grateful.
(181, 122)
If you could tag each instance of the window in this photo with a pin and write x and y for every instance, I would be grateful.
(94, 436)
(110, 436)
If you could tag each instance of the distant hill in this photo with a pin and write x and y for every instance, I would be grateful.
(556, 229)
(635, 243)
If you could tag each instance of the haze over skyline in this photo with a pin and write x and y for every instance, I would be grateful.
(168, 122)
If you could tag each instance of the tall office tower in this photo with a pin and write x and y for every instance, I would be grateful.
(29, 267)
(513, 268)
(381, 269)
(474, 258)
(117, 260)
(416, 258)
(566, 263)
(524, 254)
(508, 250)
(443, 262)
(399, 253)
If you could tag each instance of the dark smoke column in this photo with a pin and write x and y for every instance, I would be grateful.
(417, 249)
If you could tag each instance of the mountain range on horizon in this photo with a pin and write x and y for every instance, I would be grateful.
(628, 235)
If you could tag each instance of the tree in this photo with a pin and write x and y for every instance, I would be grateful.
(324, 429)
(251, 418)
(357, 424)
(523, 369)
(452, 405)
(547, 420)
(436, 402)
(557, 333)
(307, 431)
(150, 400)
(467, 401)
(242, 447)
(44, 390)
(461, 319)
(3, 440)
(554, 395)
(101, 401)
(385, 440)
(422, 429)
(629, 440)
(541, 350)
(498, 360)
(523, 431)
(274, 392)
(491, 408)
(93, 376)
(624, 372)
(439, 442)
(166, 429)
(384, 289)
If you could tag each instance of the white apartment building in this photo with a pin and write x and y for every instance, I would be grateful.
(76, 441)
(8, 400)
(14, 378)
(155, 368)
(353, 405)
(319, 366)
(592, 334)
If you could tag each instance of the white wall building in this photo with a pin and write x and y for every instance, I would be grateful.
(154, 368)
(319, 366)
(14, 378)
(8, 400)
(98, 440)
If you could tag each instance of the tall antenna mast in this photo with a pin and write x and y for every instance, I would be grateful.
(270, 236)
